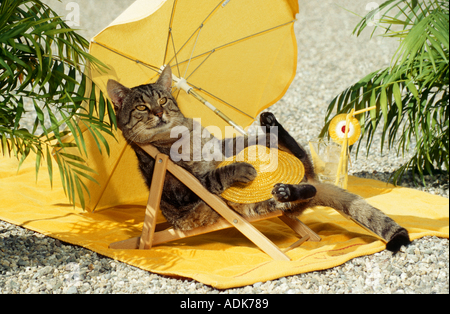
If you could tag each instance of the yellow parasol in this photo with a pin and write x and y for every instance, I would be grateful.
(236, 56)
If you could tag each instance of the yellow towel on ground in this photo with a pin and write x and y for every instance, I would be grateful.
(223, 259)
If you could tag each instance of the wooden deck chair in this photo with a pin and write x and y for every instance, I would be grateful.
(151, 235)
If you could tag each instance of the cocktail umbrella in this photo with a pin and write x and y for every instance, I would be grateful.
(345, 130)
(340, 128)
(237, 56)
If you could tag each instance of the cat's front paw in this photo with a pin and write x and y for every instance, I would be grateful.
(282, 193)
(244, 172)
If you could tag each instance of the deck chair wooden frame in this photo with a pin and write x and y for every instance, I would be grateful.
(152, 236)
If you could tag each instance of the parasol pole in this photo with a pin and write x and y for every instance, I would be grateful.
(217, 111)
(181, 83)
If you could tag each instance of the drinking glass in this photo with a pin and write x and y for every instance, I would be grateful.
(325, 155)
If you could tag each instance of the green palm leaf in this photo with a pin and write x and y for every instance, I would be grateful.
(41, 59)
(412, 95)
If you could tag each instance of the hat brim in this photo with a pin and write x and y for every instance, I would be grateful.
(273, 166)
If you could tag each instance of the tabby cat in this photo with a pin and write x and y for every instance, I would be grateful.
(147, 114)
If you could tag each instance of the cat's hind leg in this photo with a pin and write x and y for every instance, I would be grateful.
(348, 204)
(293, 199)
(359, 210)
(287, 142)
(293, 193)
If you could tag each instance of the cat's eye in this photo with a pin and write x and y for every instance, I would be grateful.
(162, 101)
(141, 108)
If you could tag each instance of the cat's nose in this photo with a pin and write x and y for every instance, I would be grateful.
(158, 113)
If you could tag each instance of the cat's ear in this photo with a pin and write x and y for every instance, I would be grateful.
(165, 80)
(117, 92)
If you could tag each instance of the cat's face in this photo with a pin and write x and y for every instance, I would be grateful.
(146, 113)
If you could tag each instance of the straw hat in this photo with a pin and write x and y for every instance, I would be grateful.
(273, 166)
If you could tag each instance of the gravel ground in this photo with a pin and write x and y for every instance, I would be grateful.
(329, 60)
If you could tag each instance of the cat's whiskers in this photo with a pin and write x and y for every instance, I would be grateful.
(139, 131)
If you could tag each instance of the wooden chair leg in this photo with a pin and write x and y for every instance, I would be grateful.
(154, 199)
(167, 234)
(297, 244)
(299, 227)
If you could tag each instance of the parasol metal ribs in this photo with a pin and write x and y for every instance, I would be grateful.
(181, 83)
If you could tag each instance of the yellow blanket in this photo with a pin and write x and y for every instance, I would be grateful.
(223, 259)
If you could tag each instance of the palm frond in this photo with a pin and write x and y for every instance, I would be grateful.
(412, 95)
(42, 62)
